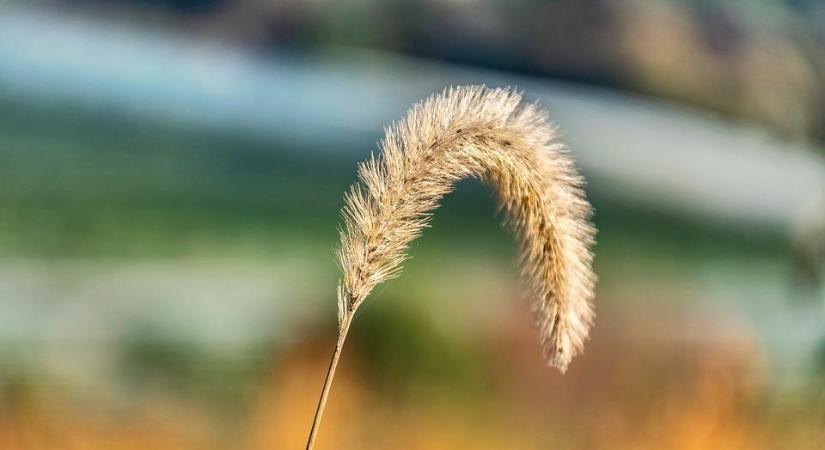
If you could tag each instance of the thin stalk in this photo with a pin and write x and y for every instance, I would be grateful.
(322, 402)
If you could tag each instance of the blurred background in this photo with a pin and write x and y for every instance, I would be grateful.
(171, 173)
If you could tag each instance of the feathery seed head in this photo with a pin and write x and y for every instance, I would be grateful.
(489, 134)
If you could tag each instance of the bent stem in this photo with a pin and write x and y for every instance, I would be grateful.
(322, 402)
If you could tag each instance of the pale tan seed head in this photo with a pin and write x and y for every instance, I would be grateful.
(490, 134)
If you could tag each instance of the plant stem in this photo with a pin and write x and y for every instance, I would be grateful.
(322, 402)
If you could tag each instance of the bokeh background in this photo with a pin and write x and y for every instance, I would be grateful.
(170, 178)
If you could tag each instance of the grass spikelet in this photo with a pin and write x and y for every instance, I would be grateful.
(491, 135)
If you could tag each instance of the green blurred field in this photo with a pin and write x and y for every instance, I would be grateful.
(171, 285)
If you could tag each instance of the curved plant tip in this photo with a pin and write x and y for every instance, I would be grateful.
(473, 131)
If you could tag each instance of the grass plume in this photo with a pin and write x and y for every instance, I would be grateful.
(491, 135)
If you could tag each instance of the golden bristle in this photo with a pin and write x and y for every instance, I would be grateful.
(491, 135)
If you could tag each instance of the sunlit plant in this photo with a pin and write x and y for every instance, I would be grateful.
(489, 134)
